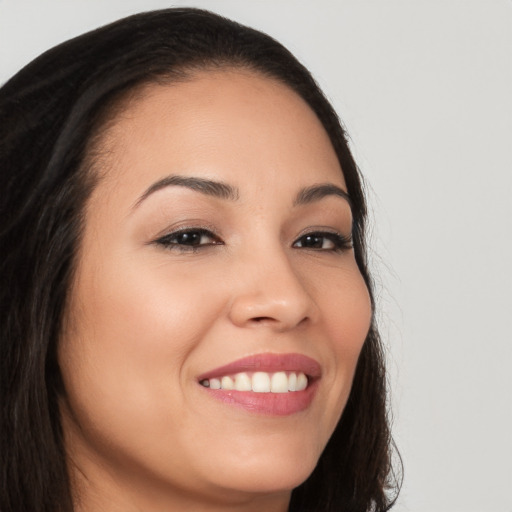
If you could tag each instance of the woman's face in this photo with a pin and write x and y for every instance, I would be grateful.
(216, 252)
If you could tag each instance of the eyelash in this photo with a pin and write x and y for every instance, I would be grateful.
(339, 242)
(171, 241)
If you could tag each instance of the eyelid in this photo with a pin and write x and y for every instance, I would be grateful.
(187, 225)
(324, 230)
(164, 238)
(341, 241)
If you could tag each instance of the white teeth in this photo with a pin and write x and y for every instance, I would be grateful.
(215, 384)
(292, 382)
(279, 383)
(302, 382)
(260, 382)
(243, 382)
(227, 383)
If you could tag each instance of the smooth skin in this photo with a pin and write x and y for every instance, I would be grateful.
(151, 310)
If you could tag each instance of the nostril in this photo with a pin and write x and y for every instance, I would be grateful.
(259, 308)
(271, 320)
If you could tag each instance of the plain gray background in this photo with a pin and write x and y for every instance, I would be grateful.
(425, 90)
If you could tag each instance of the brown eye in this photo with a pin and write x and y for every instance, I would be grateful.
(187, 239)
(324, 241)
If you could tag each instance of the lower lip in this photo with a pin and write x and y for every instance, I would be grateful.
(270, 404)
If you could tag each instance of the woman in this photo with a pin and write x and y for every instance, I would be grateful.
(187, 318)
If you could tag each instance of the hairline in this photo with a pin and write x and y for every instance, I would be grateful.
(106, 117)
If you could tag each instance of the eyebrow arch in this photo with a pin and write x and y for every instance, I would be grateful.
(316, 192)
(202, 185)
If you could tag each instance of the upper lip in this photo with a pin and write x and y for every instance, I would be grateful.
(268, 362)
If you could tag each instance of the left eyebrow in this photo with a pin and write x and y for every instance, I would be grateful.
(316, 192)
(202, 185)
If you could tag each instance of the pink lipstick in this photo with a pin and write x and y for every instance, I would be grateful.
(272, 384)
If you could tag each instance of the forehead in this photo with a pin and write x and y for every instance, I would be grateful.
(227, 124)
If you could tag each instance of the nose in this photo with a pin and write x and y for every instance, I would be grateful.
(270, 291)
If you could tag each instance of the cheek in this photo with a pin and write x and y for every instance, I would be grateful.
(348, 312)
(123, 355)
(144, 310)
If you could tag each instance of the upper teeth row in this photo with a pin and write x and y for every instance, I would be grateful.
(260, 382)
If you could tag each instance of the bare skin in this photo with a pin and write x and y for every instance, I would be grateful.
(173, 282)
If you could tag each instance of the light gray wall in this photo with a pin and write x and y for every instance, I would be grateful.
(424, 87)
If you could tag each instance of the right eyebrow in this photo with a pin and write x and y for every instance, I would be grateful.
(202, 185)
(317, 192)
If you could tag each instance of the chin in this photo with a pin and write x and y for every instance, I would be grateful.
(271, 482)
(269, 471)
(267, 482)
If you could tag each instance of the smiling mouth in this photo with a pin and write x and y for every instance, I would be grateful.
(269, 384)
(260, 382)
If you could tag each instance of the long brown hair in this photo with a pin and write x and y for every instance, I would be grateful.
(49, 114)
